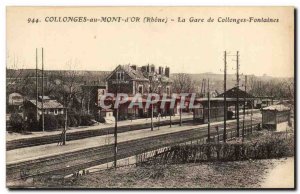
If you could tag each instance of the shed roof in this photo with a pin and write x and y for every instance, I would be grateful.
(232, 93)
(216, 99)
(48, 104)
(277, 107)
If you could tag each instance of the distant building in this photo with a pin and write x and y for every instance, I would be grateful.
(15, 99)
(50, 107)
(263, 101)
(14, 104)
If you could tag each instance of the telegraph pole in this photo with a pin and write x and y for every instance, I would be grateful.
(116, 126)
(237, 96)
(251, 114)
(170, 115)
(43, 115)
(36, 84)
(152, 126)
(150, 82)
(225, 103)
(208, 118)
(66, 125)
(244, 109)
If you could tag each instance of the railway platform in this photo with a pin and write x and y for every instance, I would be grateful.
(18, 136)
(47, 150)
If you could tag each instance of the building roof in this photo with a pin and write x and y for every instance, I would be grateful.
(216, 99)
(135, 74)
(139, 74)
(48, 104)
(15, 99)
(277, 107)
(15, 94)
(164, 78)
(132, 73)
(232, 93)
(106, 110)
(45, 97)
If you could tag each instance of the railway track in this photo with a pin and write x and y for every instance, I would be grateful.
(36, 141)
(71, 162)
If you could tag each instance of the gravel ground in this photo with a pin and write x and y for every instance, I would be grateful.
(241, 174)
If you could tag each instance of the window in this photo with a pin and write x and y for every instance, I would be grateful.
(159, 89)
(140, 89)
(101, 92)
(55, 112)
(120, 75)
(168, 90)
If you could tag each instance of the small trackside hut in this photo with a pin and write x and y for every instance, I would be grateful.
(276, 117)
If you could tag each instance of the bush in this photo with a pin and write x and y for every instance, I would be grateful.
(61, 120)
(121, 118)
(72, 121)
(101, 120)
(78, 118)
(86, 120)
(32, 125)
(268, 146)
(229, 114)
(16, 122)
(50, 122)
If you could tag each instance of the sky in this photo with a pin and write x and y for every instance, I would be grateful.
(264, 48)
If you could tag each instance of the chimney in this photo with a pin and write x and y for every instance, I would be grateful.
(152, 68)
(159, 70)
(167, 71)
(162, 70)
(133, 67)
(144, 68)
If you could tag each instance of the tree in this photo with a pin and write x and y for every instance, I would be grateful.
(16, 79)
(71, 82)
(183, 83)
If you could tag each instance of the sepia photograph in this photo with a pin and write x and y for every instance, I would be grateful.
(150, 97)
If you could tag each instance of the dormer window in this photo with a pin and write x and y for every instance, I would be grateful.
(168, 90)
(120, 75)
(140, 89)
(159, 89)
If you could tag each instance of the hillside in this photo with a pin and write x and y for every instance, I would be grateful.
(216, 80)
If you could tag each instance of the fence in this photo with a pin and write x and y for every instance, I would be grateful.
(200, 144)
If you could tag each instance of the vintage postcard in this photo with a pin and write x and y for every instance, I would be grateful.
(150, 97)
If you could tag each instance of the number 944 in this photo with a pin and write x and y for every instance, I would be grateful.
(33, 20)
